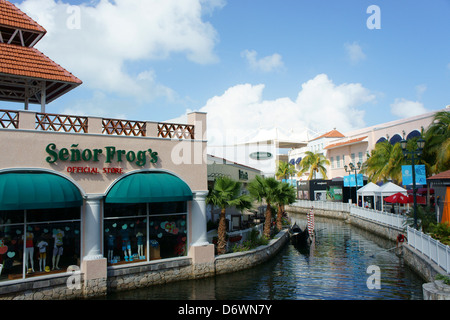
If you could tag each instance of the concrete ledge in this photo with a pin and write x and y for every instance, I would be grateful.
(232, 262)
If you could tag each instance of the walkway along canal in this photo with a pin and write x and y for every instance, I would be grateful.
(339, 265)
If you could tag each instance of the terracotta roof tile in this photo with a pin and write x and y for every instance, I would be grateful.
(343, 143)
(12, 16)
(331, 134)
(30, 62)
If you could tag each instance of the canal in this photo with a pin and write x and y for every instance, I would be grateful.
(338, 266)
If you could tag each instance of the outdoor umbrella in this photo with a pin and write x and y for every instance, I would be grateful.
(397, 198)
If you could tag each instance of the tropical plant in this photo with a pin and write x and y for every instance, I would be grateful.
(426, 216)
(226, 193)
(265, 189)
(255, 240)
(285, 170)
(437, 142)
(314, 162)
(385, 163)
(441, 232)
(284, 195)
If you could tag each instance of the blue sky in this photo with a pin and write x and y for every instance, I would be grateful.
(250, 64)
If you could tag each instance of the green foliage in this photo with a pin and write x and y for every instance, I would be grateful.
(254, 241)
(284, 170)
(314, 163)
(425, 218)
(385, 162)
(226, 193)
(446, 279)
(437, 142)
(441, 232)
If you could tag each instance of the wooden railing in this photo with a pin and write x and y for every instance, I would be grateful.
(93, 125)
(9, 119)
(124, 127)
(172, 130)
(61, 123)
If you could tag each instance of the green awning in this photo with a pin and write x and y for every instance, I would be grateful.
(33, 190)
(149, 187)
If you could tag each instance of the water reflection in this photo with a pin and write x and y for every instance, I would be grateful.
(333, 267)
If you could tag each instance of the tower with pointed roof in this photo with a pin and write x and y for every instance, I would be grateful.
(26, 74)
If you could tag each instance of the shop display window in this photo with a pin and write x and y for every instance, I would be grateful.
(32, 245)
(143, 232)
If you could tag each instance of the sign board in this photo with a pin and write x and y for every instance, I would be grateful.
(420, 172)
(349, 181)
(260, 155)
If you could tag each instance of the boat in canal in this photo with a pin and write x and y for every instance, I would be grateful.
(298, 236)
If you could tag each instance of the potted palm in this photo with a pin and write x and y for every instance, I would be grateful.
(226, 193)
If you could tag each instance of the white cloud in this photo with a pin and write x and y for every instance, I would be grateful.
(270, 63)
(100, 40)
(354, 52)
(420, 90)
(241, 111)
(405, 108)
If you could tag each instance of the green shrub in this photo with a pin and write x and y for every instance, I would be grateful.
(254, 241)
(441, 232)
(446, 279)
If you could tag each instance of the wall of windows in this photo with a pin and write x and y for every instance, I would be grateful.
(38, 242)
(144, 232)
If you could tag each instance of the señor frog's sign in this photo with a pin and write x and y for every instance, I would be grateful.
(110, 153)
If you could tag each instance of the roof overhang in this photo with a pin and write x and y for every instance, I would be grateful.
(347, 143)
(18, 89)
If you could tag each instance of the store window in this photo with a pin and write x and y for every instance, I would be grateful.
(143, 232)
(38, 242)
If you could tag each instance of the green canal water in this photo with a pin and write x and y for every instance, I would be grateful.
(339, 265)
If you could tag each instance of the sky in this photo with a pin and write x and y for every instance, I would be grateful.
(252, 65)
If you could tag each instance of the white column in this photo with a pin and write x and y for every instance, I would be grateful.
(198, 219)
(92, 227)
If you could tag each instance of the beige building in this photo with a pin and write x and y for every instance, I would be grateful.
(93, 194)
(353, 147)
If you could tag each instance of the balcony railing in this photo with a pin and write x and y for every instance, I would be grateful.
(9, 119)
(61, 123)
(124, 127)
(177, 131)
(93, 125)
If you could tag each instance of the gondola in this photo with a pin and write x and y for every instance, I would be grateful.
(298, 236)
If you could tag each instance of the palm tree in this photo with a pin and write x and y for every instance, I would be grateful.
(437, 142)
(314, 162)
(284, 195)
(226, 193)
(264, 189)
(385, 162)
(284, 170)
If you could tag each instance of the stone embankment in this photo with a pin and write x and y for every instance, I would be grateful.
(73, 286)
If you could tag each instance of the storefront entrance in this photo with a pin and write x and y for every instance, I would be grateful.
(39, 224)
(146, 218)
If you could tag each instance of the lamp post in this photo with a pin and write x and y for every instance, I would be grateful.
(350, 168)
(415, 155)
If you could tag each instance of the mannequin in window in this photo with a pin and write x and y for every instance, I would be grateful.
(42, 245)
(140, 244)
(111, 242)
(29, 251)
(58, 235)
(126, 245)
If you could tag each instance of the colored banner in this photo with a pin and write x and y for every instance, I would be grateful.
(349, 181)
(420, 172)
